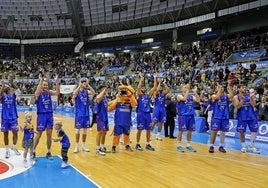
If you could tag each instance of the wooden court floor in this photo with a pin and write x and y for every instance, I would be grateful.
(165, 167)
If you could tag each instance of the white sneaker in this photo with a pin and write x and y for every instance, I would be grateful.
(243, 149)
(25, 164)
(85, 149)
(254, 150)
(16, 151)
(7, 154)
(76, 149)
(65, 164)
(159, 138)
(32, 161)
(99, 152)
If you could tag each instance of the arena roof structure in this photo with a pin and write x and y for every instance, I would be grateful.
(81, 19)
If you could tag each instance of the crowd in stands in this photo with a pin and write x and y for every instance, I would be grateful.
(195, 64)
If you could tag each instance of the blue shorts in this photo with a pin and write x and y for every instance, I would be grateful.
(119, 129)
(144, 121)
(242, 125)
(82, 122)
(186, 123)
(159, 115)
(44, 121)
(9, 125)
(102, 126)
(220, 125)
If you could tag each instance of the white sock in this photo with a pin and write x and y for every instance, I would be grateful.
(243, 144)
(252, 139)
(222, 138)
(188, 144)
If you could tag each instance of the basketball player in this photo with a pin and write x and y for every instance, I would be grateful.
(245, 103)
(81, 98)
(45, 112)
(220, 117)
(9, 117)
(143, 112)
(186, 119)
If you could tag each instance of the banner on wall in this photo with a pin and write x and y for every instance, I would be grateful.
(67, 89)
(262, 134)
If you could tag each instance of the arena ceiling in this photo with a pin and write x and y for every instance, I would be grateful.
(34, 19)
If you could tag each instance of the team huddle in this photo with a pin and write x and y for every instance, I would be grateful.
(125, 101)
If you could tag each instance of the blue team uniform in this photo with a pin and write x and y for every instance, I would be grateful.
(9, 118)
(44, 111)
(102, 115)
(159, 113)
(143, 112)
(220, 116)
(82, 110)
(185, 110)
(65, 142)
(28, 136)
(246, 116)
(122, 118)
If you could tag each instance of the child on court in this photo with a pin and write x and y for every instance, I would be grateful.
(28, 139)
(65, 143)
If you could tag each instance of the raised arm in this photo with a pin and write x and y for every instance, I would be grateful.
(101, 95)
(112, 105)
(238, 103)
(57, 91)
(151, 92)
(75, 92)
(184, 97)
(196, 96)
(230, 92)
(218, 94)
(39, 87)
(140, 85)
(252, 99)
(167, 89)
(3, 86)
(91, 91)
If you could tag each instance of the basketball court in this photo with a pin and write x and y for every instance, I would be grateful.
(165, 167)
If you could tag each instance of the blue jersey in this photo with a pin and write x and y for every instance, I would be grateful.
(95, 108)
(28, 132)
(9, 108)
(44, 103)
(160, 100)
(186, 107)
(122, 115)
(102, 111)
(246, 111)
(143, 103)
(65, 142)
(82, 104)
(221, 108)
